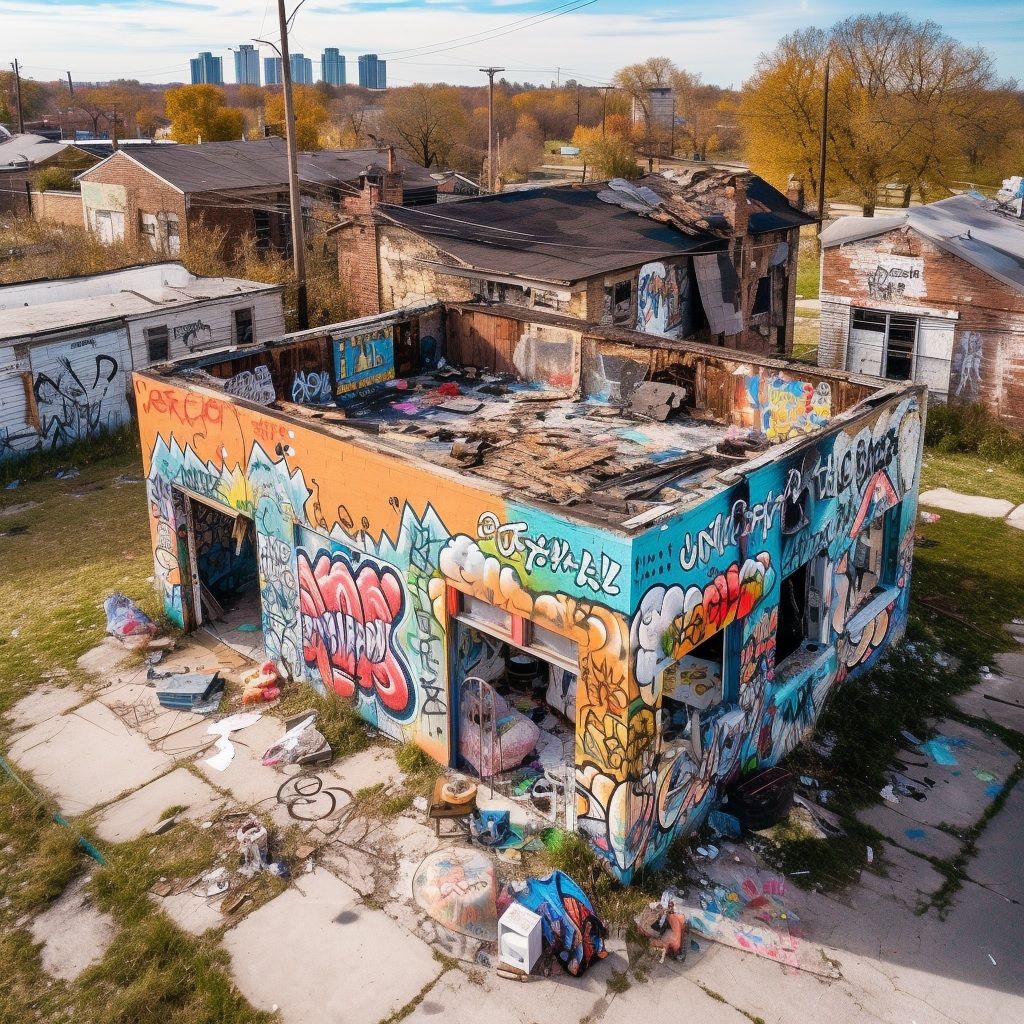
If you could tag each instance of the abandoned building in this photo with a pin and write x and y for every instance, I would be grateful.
(470, 520)
(693, 253)
(67, 346)
(934, 295)
(22, 157)
(159, 193)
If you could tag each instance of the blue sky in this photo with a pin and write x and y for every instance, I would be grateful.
(425, 40)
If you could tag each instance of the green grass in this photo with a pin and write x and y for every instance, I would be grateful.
(75, 551)
(807, 271)
(336, 718)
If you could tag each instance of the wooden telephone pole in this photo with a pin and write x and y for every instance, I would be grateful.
(294, 194)
(490, 73)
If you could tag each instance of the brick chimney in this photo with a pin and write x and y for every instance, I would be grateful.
(737, 209)
(392, 188)
(795, 192)
(358, 270)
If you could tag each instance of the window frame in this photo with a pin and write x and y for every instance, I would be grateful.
(880, 321)
(155, 330)
(251, 311)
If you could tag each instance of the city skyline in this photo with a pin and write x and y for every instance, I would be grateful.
(437, 40)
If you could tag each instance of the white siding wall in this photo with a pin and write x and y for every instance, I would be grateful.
(80, 388)
(207, 325)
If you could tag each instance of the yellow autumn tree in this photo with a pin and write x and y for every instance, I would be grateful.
(198, 114)
(609, 154)
(907, 104)
(311, 116)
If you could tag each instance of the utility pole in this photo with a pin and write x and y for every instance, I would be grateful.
(577, 104)
(604, 108)
(823, 143)
(294, 196)
(490, 73)
(17, 96)
(71, 87)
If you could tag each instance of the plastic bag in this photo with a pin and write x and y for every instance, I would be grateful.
(126, 619)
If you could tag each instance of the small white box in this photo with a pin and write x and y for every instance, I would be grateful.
(519, 937)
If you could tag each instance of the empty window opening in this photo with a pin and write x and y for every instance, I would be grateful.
(792, 628)
(517, 706)
(243, 326)
(156, 343)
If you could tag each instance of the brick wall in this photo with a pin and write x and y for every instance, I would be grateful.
(405, 276)
(145, 192)
(58, 208)
(988, 346)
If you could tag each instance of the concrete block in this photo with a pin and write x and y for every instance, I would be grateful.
(73, 932)
(87, 757)
(1016, 517)
(319, 954)
(132, 816)
(247, 779)
(971, 504)
(42, 704)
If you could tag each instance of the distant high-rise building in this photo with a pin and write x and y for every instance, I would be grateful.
(302, 69)
(247, 65)
(272, 71)
(372, 72)
(332, 66)
(207, 69)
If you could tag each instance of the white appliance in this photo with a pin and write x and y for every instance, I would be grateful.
(519, 937)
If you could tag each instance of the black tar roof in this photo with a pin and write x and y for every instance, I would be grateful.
(261, 163)
(780, 214)
(560, 235)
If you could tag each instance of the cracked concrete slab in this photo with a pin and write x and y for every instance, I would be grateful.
(247, 779)
(366, 768)
(87, 757)
(971, 504)
(73, 932)
(42, 704)
(319, 953)
(908, 878)
(193, 914)
(997, 862)
(132, 816)
(1016, 517)
(907, 831)
(999, 699)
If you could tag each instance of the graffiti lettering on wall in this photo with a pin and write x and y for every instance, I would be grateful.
(191, 334)
(71, 401)
(554, 554)
(786, 408)
(348, 620)
(671, 621)
(967, 366)
(896, 277)
(255, 385)
(185, 407)
(362, 360)
(663, 301)
(743, 520)
(312, 387)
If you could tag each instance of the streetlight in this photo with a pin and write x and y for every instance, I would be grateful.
(294, 197)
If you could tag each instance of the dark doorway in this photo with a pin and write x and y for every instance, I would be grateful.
(792, 628)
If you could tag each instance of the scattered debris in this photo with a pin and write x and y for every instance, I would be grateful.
(125, 619)
(457, 887)
(222, 730)
(200, 692)
(302, 743)
(161, 888)
(938, 750)
(68, 474)
(887, 794)
(929, 517)
(260, 684)
(993, 959)
(253, 843)
(163, 825)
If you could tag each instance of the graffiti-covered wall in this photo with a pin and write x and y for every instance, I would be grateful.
(362, 555)
(836, 514)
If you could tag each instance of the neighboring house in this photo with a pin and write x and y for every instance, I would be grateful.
(22, 157)
(67, 346)
(934, 295)
(684, 593)
(700, 254)
(160, 193)
(451, 186)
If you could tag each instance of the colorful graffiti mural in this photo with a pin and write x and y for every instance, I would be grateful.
(357, 570)
(362, 360)
(785, 408)
(663, 300)
(348, 618)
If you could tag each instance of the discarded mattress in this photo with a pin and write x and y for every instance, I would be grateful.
(487, 720)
